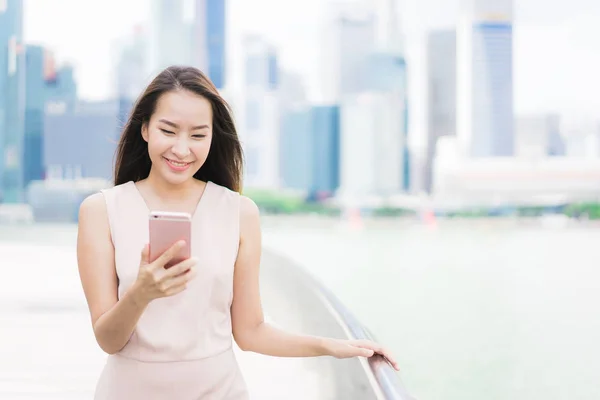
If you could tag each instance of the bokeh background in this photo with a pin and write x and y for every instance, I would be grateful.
(436, 163)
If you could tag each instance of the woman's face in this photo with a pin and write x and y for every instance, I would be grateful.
(179, 135)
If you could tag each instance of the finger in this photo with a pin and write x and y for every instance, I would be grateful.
(175, 290)
(181, 278)
(359, 351)
(181, 268)
(366, 352)
(387, 355)
(145, 254)
(390, 359)
(366, 344)
(392, 362)
(179, 283)
(169, 254)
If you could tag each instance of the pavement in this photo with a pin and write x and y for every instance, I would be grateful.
(47, 347)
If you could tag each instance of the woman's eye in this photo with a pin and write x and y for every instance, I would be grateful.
(166, 131)
(198, 136)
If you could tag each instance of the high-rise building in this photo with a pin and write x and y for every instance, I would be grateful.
(81, 143)
(259, 115)
(295, 151)
(47, 90)
(209, 40)
(364, 64)
(441, 94)
(388, 72)
(310, 150)
(62, 89)
(371, 147)
(485, 120)
(348, 42)
(129, 72)
(291, 90)
(12, 100)
(556, 141)
(325, 129)
(538, 136)
(35, 104)
(169, 35)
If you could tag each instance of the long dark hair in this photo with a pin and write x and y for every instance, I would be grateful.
(223, 165)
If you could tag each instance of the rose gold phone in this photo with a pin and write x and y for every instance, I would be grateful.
(166, 228)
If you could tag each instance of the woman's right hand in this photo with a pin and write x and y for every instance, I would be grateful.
(155, 281)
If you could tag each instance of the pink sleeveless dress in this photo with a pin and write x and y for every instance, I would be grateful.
(181, 348)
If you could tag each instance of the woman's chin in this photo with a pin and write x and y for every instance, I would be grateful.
(176, 178)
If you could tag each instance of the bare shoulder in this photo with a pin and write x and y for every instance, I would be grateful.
(249, 216)
(93, 204)
(93, 215)
(248, 208)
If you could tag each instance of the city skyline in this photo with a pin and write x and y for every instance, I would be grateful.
(355, 54)
(566, 29)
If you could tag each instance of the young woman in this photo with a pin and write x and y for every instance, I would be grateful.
(168, 331)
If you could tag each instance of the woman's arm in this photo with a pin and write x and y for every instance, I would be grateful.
(250, 331)
(113, 320)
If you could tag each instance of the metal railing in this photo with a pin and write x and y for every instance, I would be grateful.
(384, 379)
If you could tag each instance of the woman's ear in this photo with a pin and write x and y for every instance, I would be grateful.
(145, 131)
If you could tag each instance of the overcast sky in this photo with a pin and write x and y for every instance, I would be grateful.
(557, 43)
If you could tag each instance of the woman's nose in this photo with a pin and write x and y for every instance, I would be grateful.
(181, 149)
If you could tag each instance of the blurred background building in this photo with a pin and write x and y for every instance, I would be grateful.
(353, 146)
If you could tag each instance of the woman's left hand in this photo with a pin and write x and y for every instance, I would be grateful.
(360, 348)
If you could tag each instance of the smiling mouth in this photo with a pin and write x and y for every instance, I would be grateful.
(177, 164)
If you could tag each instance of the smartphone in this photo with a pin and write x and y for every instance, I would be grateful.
(166, 228)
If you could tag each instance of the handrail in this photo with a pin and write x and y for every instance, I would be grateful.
(384, 380)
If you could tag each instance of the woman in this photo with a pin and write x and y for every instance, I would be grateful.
(168, 331)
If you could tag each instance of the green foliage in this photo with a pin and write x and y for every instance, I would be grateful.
(287, 203)
(592, 210)
(469, 213)
(531, 211)
(273, 202)
(392, 212)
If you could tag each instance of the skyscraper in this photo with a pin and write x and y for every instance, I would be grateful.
(62, 89)
(371, 147)
(259, 130)
(35, 103)
(169, 35)
(441, 94)
(348, 42)
(391, 41)
(485, 120)
(12, 99)
(81, 143)
(209, 40)
(130, 79)
(310, 150)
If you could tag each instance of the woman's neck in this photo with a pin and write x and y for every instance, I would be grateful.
(168, 192)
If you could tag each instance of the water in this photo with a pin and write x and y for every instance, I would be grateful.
(472, 311)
